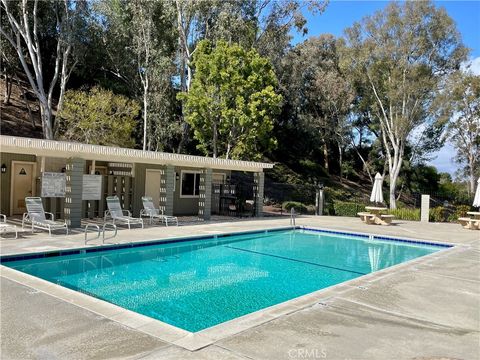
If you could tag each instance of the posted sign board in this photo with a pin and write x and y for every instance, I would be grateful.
(92, 187)
(53, 184)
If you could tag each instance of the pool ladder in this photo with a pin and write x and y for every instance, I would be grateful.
(292, 217)
(104, 227)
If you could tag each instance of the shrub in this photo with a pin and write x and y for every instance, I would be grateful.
(448, 214)
(438, 214)
(343, 208)
(298, 206)
(97, 116)
(408, 214)
(460, 211)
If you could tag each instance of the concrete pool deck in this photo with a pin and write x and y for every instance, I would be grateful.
(427, 309)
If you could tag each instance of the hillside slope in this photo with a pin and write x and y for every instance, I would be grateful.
(15, 118)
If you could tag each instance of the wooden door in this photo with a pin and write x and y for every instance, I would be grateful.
(152, 185)
(23, 185)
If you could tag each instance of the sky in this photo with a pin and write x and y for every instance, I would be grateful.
(342, 14)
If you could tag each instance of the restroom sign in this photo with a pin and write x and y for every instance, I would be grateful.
(53, 184)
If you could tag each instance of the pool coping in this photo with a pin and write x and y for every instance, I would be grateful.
(197, 340)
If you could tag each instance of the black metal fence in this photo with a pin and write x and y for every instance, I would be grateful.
(280, 197)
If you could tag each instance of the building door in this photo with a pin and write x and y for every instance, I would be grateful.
(23, 185)
(152, 185)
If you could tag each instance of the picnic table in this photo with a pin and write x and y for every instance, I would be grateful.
(375, 216)
(475, 214)
(472, 222)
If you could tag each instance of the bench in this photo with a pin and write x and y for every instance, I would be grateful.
(469, 223)
(386, 219)
(366, 217)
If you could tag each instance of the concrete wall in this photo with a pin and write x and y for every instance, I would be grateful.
(187, 206)
(5, 179)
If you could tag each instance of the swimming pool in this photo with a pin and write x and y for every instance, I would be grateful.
(196, 284)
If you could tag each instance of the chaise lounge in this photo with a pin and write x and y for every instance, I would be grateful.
(36, 216)
(151, 212)
(117, 214)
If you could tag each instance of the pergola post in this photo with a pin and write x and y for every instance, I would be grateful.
(167, 184)
(259, 179)
(205, 195)
(73, 193)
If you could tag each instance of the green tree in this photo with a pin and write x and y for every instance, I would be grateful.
(464, 128)
(400, 56)
(232, 101)
(319, 93)
(138, 42)
(97, 117)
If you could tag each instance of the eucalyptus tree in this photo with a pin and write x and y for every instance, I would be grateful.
(275, 21)
(400, 55)
(464, 128)
(319, 93)
(28, 26)
(138, 39)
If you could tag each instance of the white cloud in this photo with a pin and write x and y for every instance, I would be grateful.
(472, 65)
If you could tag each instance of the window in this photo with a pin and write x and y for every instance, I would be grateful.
(190, 184)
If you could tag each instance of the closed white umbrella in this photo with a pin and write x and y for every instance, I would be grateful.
(377, 193)
(476, 200)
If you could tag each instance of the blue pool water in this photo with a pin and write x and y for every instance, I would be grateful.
(200, 283)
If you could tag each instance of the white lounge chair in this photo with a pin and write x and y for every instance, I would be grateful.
(117, 214)
(151, 212)
(4, 227)
(36, 216)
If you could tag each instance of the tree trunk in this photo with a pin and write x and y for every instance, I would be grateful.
(471, 165)
(394, 165)
(325, 156)
(215, 139)
(393, 200)
(340, 160)
(46, 115)
(8, 88)
(145, 114)
(64, 76)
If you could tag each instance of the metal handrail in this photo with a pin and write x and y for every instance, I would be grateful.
(292, 216)
(114, 228)
(86, 232)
